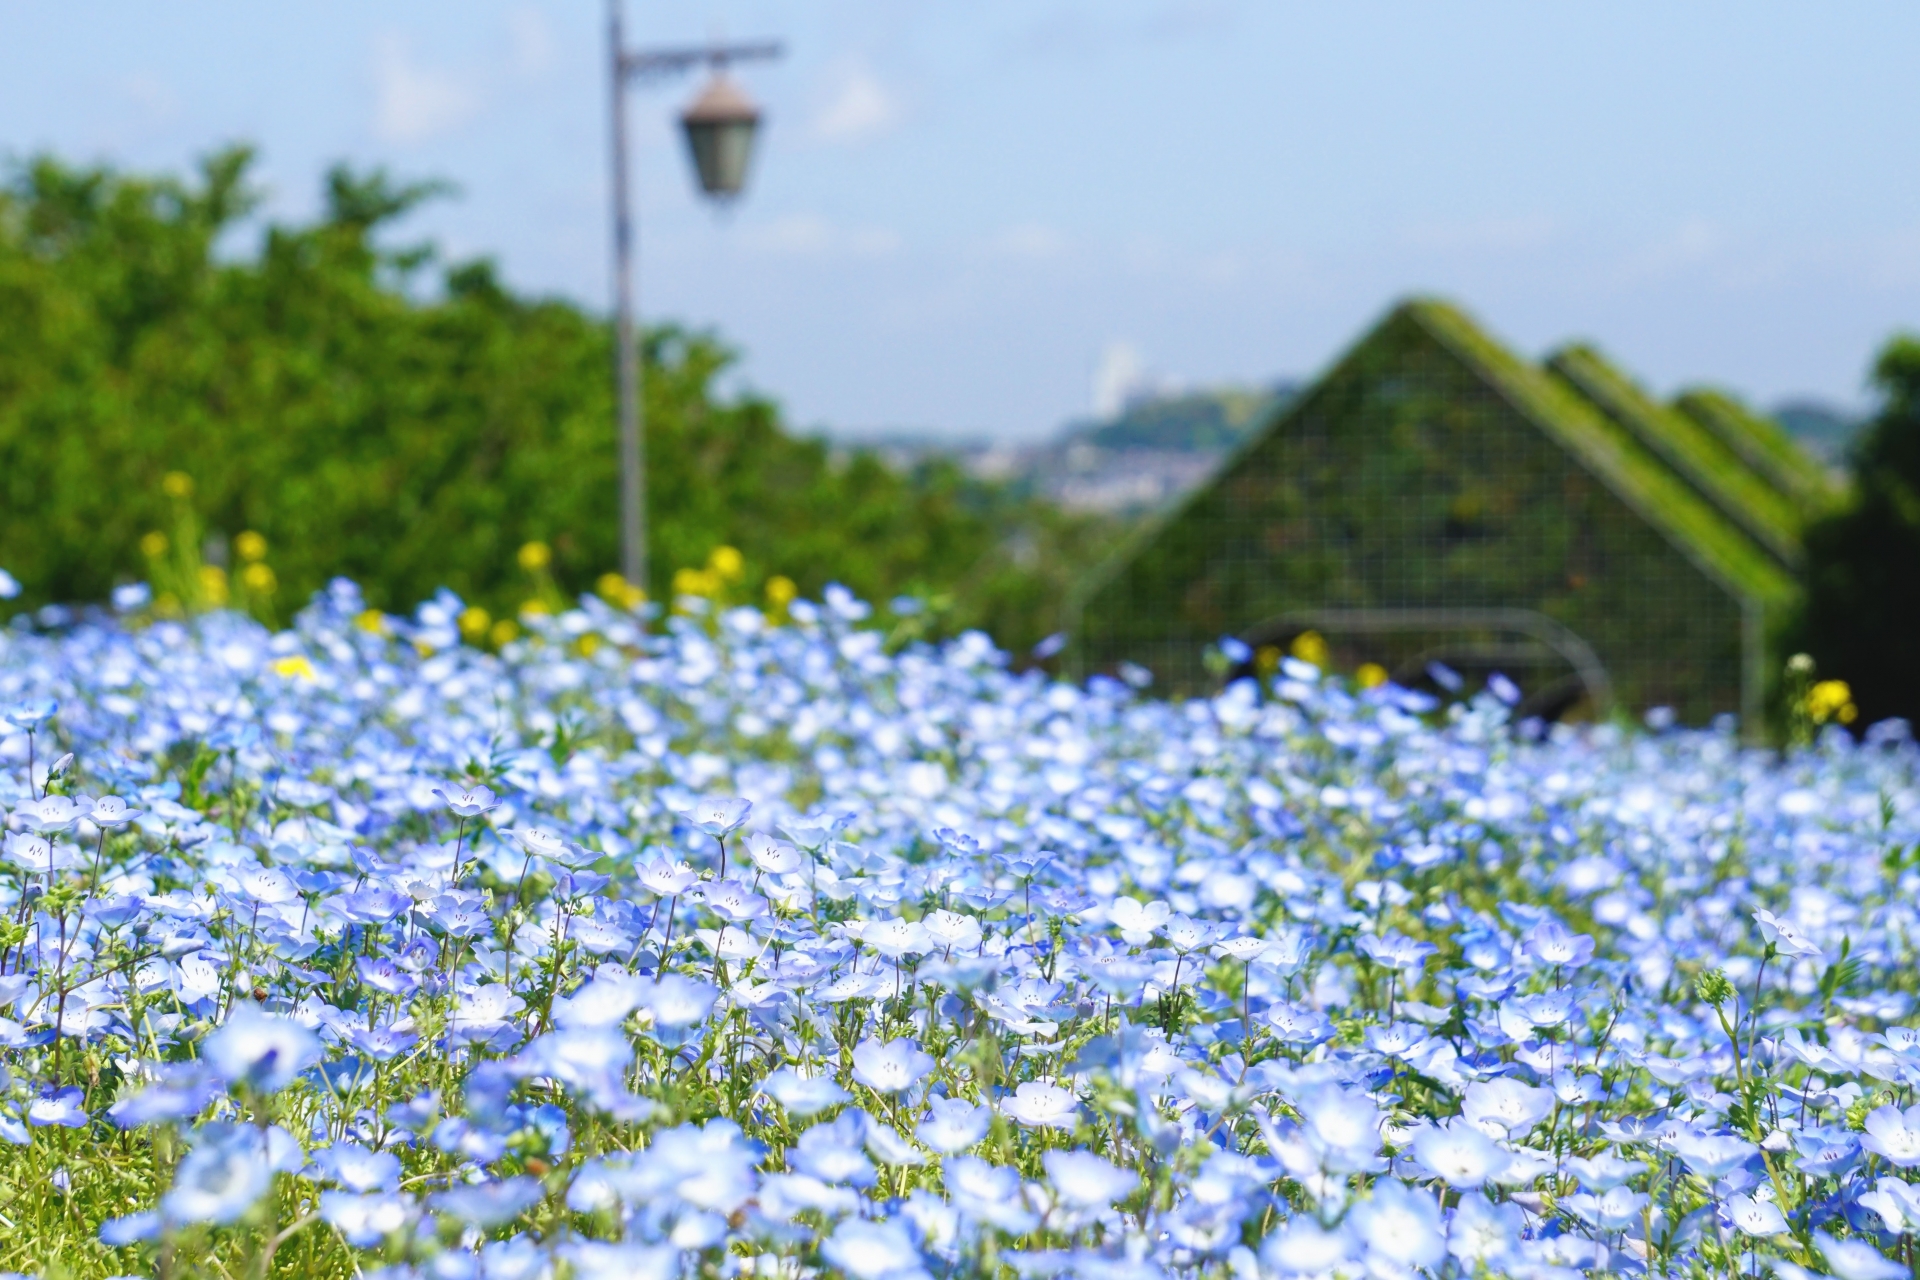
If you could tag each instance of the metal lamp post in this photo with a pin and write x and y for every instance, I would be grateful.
(720, 126)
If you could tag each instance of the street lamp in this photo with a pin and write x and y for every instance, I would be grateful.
(720, 126)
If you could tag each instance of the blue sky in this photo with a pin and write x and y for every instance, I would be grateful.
(962, 209)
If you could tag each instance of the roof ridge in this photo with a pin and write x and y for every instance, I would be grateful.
(1645, 482)
(1763, 443)
(1696, 454)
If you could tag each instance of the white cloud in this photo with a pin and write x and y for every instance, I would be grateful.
(859, 107)
(1499, 235)
(806, 235)
(1688, 247)
(1033, 241)
(412, 102)
(534, 47)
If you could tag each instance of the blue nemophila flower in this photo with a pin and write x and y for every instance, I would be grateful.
(50, 813)
(356, 1168)
(1395, 951)
(1552, 943)
(1038, 1105)
(803, 1095)
(988, 1193)
(719, 816)
(710, 1167)
(1896, 1202)
(1856, 1259)
(1506, 1106)
(1138, 921)
(366, 1220)
(544, 842)
(1712, 1155)
(1753, 1216)
(890, 1067)
(1086, 1181)
(1140, 997)
(1400, 1227)
(177, 1092)
(1485, 1235)
(1459, 1153)
(834, 1153)
(65, 1108)
(1302, 1247)
(260, 1050)
(468, 802)
(229, 1168)
(489, 1204)
(874, 1251)
(953, 1124)
(1894, 1135)
(677, 1001)
(28, 715)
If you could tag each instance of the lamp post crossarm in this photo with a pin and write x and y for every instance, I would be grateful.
(655, 63)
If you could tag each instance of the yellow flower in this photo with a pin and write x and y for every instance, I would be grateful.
(371, 620)
(1266, 660)
(153, 545)
(295, 665)
(259, 579)
(534, 608)
(504, 632)
(213, 585)
(781, 591)
(1371, 675)
(176, 484)
(474, 623)
(535, 556)
(1311, 646)
(1831, 700)
(727, 563)
(588, 644)
(693, 582)
(620, 593)
(250, 546)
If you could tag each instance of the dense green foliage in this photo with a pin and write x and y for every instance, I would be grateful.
(375, 412)
(1862, 613)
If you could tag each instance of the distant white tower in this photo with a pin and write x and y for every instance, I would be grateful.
(1119, 376)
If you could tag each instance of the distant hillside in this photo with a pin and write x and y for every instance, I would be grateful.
(1821, 429)
(1141, 459)
(1209, 421)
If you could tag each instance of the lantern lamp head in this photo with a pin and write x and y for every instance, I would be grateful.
(720, 125)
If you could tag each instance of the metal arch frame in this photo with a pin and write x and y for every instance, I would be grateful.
(1534, 625)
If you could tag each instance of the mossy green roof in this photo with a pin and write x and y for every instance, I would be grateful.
(1764, 446)
(1698, 455)
(1620, 458)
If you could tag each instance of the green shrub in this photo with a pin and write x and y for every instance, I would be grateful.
(373, 412)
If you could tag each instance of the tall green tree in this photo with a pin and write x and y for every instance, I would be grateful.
(376, 412)
(1862, 617)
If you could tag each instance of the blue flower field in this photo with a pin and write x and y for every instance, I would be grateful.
(789, 947)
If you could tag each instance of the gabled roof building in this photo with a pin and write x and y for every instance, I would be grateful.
(1436, 502)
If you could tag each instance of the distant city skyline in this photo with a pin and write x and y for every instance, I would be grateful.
(960, 214)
